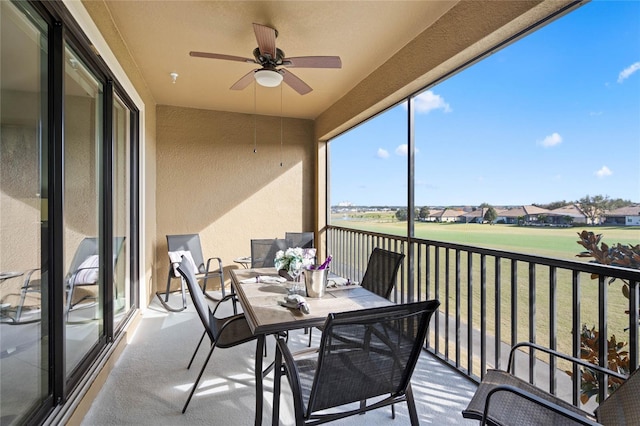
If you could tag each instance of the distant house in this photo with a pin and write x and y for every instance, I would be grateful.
(475, 216)
(568, 214)
(447, 215)
(434, 215)
(629, 216)
(510, 216)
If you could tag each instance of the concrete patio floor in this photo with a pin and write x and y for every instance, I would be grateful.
(150, 381)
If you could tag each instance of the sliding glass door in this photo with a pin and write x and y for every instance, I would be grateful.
(24, 280)
(68, 209)
(121, 209)
(82, 206)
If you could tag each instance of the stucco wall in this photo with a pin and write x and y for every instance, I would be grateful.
(211, 182)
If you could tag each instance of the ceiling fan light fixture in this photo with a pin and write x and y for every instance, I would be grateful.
(268, 78)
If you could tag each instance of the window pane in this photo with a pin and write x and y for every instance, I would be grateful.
(82, 176)
(24, 333)
(121, 209)
(369, 174)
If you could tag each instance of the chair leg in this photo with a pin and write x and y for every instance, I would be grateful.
(413, 413)
(310, 331)
(164, 300)
(277, 376)
(196, 351)
(195, 385)
(166, 294)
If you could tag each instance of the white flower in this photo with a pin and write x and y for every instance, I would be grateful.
(294, 259)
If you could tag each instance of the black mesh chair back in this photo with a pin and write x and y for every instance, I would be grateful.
(622, 407)
(223, 332)
(199, 301)
(188, 242)
(382, 268)
(263, 251)
(363, 354)
(300, 239)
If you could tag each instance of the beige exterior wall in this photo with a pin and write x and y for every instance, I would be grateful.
(211, 182)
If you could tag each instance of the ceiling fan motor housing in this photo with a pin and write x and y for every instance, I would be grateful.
(266, 59)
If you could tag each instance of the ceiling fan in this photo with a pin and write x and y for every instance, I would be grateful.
(270, 59)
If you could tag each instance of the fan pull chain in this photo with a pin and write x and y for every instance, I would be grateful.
(281, 125)
(255, 132)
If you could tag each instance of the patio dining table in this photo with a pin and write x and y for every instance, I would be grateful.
(259, 294)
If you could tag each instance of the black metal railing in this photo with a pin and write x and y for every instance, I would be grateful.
(492, 299)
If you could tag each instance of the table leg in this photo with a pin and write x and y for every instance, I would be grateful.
(259, 388)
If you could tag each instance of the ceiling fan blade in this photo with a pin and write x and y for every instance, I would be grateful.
(295, 82)
(220, 56)
(266, 38)
(313, 62)
(244, 81)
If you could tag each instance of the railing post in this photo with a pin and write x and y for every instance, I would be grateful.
(633, 323)
(498, 317)
(576, 333)
(553, 326)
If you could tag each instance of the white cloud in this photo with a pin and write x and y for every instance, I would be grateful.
(551, 140)
(382, 153)
(428, 101)
(403, 150)
(603, 172)
(626, 73)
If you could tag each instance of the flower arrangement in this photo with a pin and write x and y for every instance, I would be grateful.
(294, 259)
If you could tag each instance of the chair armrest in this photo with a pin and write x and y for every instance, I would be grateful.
(536, 400)
(27, 278)
(566, 357)
(224, 299)
(219, 260)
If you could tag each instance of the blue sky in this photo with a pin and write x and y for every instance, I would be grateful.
(554, 116)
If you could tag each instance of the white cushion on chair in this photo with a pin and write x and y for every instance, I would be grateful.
(176, 257)
(88, 270)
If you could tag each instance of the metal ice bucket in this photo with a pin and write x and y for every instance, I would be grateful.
(315, 281)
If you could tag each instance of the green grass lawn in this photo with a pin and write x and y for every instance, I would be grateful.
(543, 241)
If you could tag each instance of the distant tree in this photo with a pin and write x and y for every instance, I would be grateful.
(619, 202)
(401, 214)
(553, 205)
(594, 207)
(490, 215)
(424, 213)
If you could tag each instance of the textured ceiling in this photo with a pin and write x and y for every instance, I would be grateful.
(365, 34)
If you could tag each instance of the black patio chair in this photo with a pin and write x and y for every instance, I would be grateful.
(502, 399)
(181, 244)
(263, 251)
(300, 239)
(223, 332)
(380, 275)
(362, 355)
